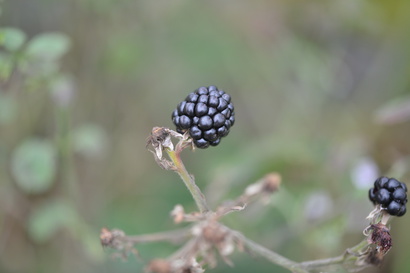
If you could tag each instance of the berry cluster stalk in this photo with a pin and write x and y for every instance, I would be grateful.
(196, 193)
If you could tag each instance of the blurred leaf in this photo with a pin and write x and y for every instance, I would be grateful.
(6, 66)
(89, 140)
(49, 218)
(11, 38)
(8, 109)
(34, 165)
(49, 46)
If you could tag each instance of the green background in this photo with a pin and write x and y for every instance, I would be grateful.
(322, 96)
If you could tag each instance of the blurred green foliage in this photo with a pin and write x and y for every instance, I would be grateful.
(33, 166)
(321, 91)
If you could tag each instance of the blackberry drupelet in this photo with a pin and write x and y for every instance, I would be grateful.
(207, 114)
(391, 194)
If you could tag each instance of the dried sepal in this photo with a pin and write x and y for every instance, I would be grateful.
(185, 141)
(379, 243)
(163, 162)
(159, 139)
(379, 215)
(116, 239)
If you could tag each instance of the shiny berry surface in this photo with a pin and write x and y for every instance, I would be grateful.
(391, 194)
(207, 114)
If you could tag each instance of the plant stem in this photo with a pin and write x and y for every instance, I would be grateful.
(341, 259)
(303, 267)
(171, 236)
(269, 254)
(188, 180)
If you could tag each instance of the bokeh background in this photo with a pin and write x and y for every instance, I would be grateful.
(322, 96)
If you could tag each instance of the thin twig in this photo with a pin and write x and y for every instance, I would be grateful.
(267, 253)
(350, 254)
(173, 236)
(262, 189)
(187, 251)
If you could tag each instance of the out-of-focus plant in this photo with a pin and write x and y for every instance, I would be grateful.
(202, 119)
(41, 185)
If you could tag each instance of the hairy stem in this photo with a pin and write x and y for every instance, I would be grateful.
(188, 180)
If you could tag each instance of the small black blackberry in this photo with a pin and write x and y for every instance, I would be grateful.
(391, 194)
(207, 113)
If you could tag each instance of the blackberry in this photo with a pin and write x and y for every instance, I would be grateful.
(207, 114)
(391, 194)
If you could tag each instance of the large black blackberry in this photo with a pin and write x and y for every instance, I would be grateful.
(207, 113)
(390, 194)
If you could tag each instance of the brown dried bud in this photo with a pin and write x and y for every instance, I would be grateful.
(159, 266)
(106, 237)
(271, 182)
(214, 233)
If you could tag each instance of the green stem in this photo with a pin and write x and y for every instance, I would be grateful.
(269, 254)
(351, 253)
(303, 267)
(188, 180)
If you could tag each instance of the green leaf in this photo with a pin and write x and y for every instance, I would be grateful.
(49, 218)
(12, 38)
(34, 165)
(50, 46)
